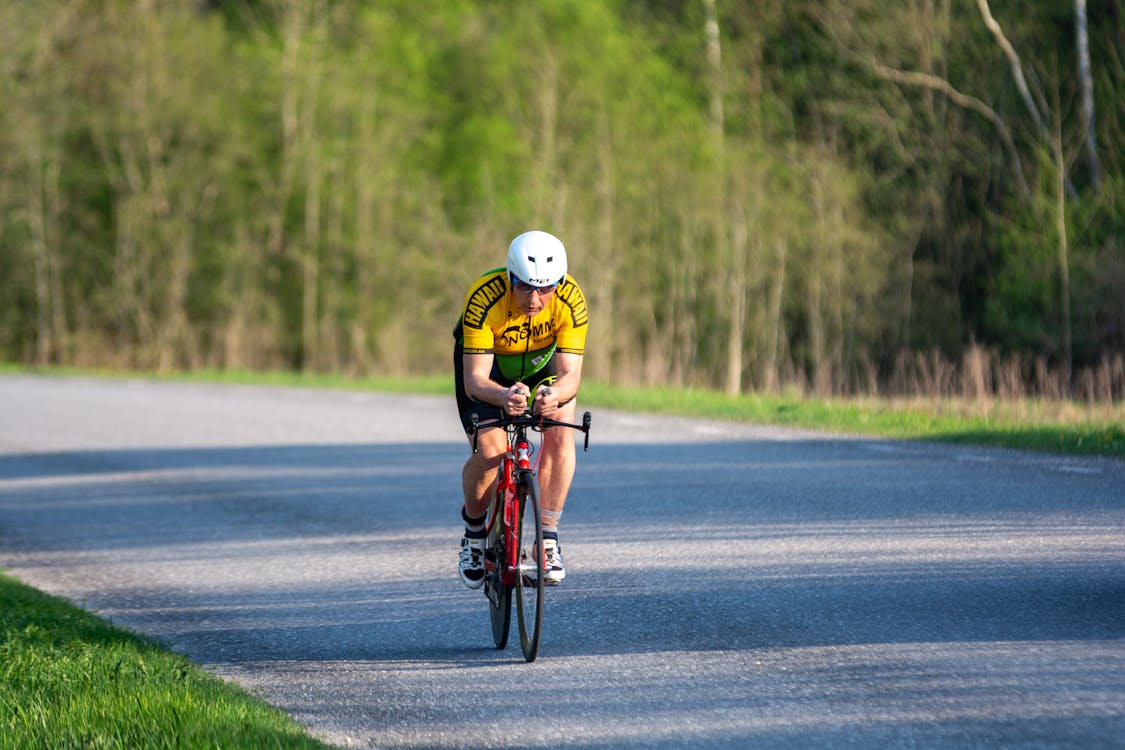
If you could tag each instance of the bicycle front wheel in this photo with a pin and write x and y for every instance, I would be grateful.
(529, 582)
(499, 595)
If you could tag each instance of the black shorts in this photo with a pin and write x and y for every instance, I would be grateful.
(487, 412)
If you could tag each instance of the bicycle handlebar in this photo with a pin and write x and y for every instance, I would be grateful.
(534, 421)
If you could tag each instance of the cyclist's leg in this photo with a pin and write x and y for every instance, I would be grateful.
(556, 467)
(478, 479)
(478, 476)
(556, 471)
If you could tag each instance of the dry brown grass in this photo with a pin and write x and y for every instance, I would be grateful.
(1007, 410)
(1004, 389)
(984, 375)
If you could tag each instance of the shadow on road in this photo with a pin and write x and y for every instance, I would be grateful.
(673, 547)
(875, 570)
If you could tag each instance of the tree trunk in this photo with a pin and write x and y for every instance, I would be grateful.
(736, 330)
(732, 292)
(606, 251)
(43, 208)
(1087, 83)
(366, 256)
(549, 200)
(771, 382)
(715, 65)
(310, 263)
(684, 301)
(1064, 261)
(294, 30)
(310, 156)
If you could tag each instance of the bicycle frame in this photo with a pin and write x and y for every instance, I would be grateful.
(516, 459)
(506, 563)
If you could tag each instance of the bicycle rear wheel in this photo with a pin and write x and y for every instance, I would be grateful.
(529, 582)
(499, 595)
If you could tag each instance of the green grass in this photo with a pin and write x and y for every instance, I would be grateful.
(1058, 427)
(71, 680)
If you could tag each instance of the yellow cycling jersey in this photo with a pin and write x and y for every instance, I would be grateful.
(491, 322)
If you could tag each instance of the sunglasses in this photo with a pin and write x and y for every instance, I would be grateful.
(523, 286)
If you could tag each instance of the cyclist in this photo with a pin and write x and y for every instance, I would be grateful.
(519, 340)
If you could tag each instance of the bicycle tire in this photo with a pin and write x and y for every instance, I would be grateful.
(499, 596)
(530, 581)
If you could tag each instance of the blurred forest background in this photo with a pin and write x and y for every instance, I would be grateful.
(862, 197)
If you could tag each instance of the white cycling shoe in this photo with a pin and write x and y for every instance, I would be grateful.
(471, 563)
(555, 568)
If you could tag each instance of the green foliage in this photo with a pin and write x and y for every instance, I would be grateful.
(1098, 268)
(69, 679)
(312, 185)
(1023, 310)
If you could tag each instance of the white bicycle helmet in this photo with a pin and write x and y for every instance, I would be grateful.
(537, 258)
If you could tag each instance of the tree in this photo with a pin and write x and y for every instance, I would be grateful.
(1086, 80)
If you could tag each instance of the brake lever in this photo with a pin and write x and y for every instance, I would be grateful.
(474, 430)
(586, 432)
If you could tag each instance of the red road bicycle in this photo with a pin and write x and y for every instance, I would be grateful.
(513, 551)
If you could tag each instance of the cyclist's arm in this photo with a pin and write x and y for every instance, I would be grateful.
(481, 387)
(568, 367)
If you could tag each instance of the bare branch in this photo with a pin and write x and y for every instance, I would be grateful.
(967, 101)
(1017, 67)
(1021, 84)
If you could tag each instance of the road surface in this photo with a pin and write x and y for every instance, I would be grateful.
(729, 586)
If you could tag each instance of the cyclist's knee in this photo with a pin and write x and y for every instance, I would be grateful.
(559, 441)
(490, 447)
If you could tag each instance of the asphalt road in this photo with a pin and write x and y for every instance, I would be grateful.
(729, 586)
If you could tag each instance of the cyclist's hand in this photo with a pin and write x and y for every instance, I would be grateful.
(516, 401)
(546, 402)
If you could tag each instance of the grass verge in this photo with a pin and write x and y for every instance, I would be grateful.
(71, 680)
(1066, 427)
(1057, 427)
